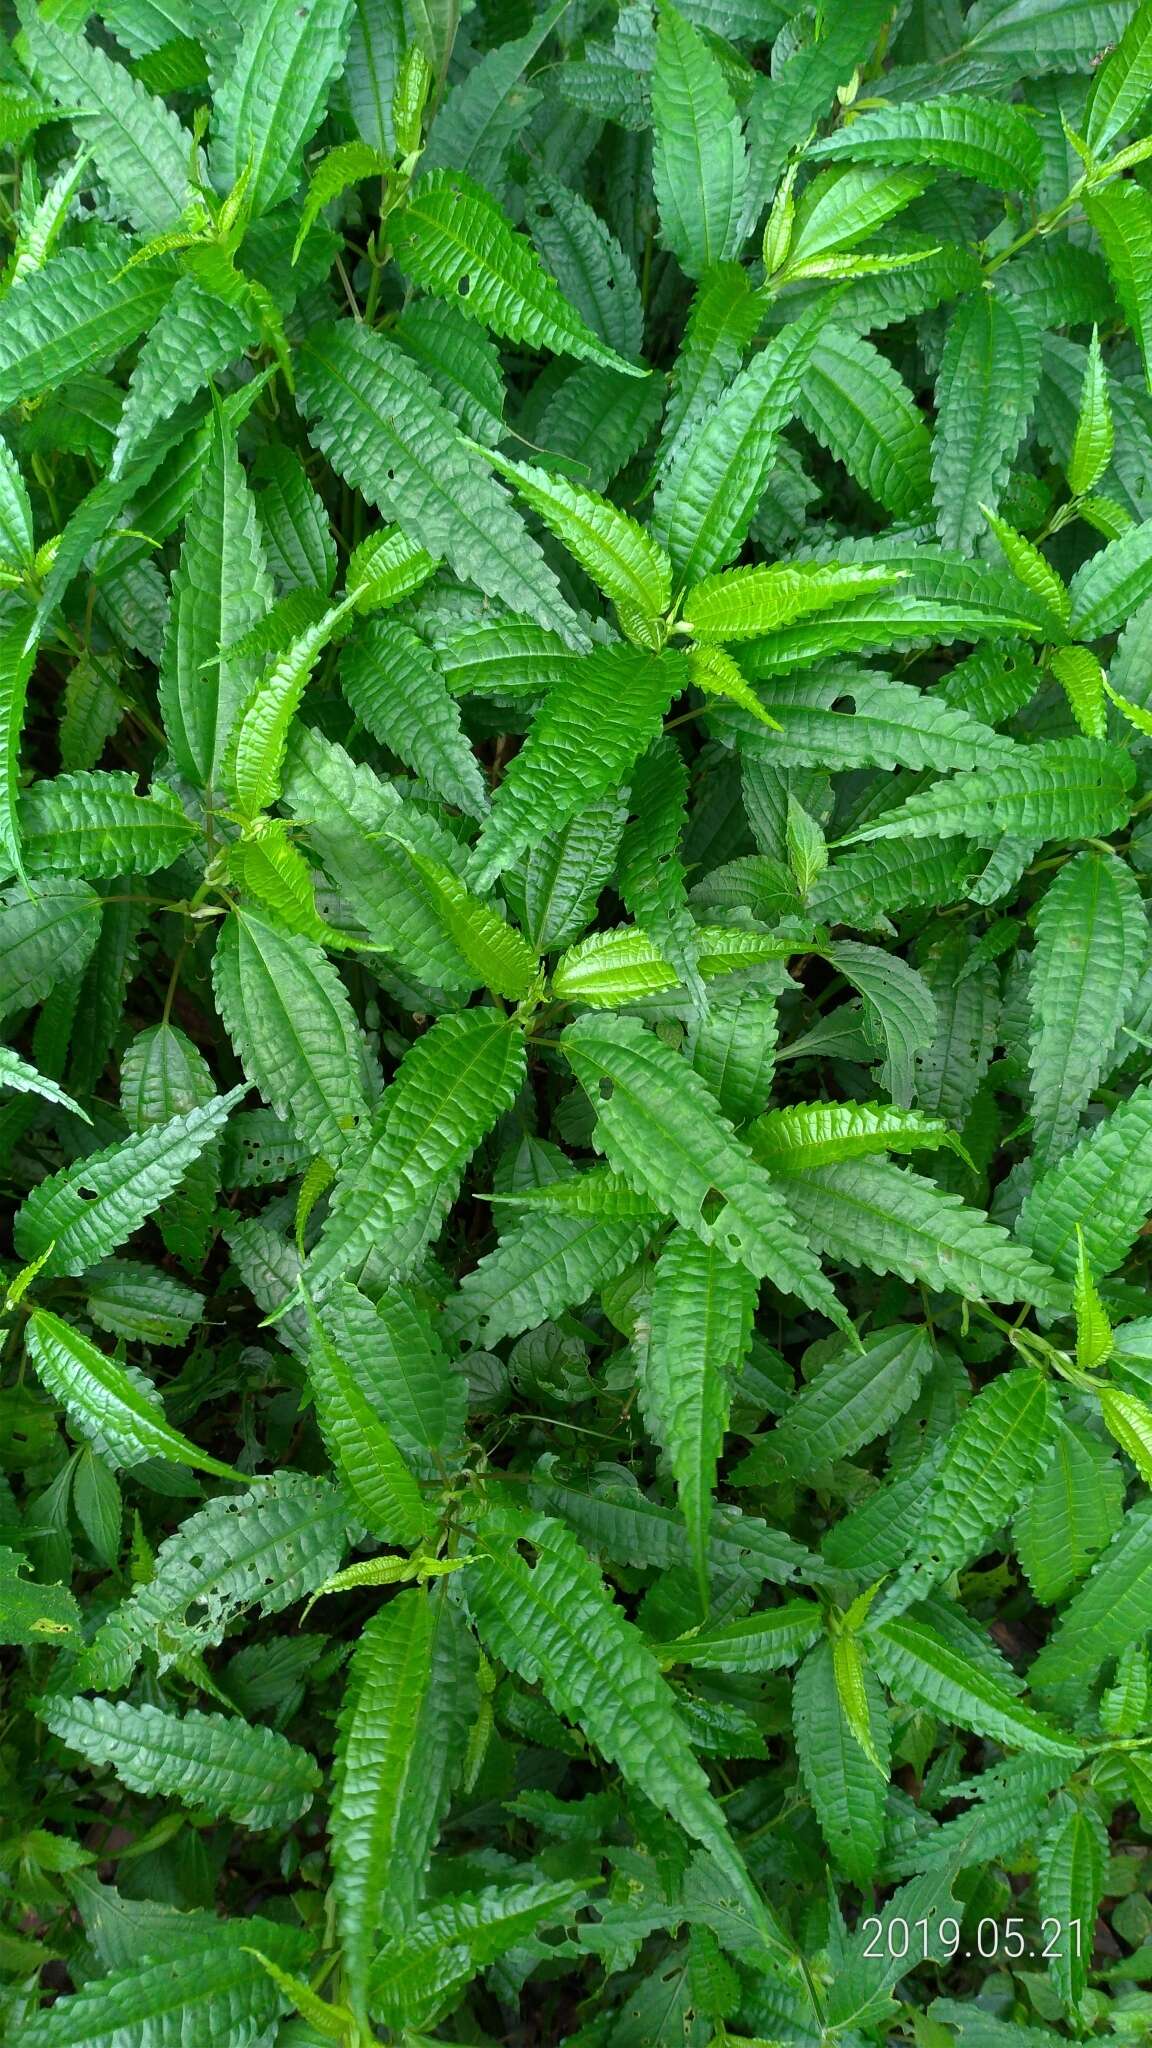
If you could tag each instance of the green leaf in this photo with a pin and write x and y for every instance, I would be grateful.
(1095, 434)
(759, 1642)
(446, 1094)
(991, 357)
(699, 166)
(378, 1482)
(846, 1789)
(923, 1670)
(396, 687)
(594, 273)
(872, 1214)
(594, 723)
(1102, 1187)
(34, 1616)
(22, 1079)
(138, 145)
(274, 96)
(80, 310)
(206, 1989)
(289, 1017)
(553, 1621)
(94, 825)
(1091, 943)
(613, 548)
(861, 411)
(394, 1349)
(1070, 1882)
(219, 591)
(254, 1775)
(991, 1458)
(17, 660)
(107, 1402)
(657, 1124)
(254, 769)
(453, 240)
(742, 603)
(957, 132)
(384, 429)
(1121, 214)
(494, 950)
(823, 1133)
(545, 1264)
(700, 1327)
(1111, 1609)
(1072, 1512)
(1057, 789)
(710, 489)
(621, 966)
(409, 1702)
(85, 1211)
(856, 1396)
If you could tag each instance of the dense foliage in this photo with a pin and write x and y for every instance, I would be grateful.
(576, 992)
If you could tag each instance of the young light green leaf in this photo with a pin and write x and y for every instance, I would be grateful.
(119, 1409)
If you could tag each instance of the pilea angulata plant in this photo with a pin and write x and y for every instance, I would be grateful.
(576, 1023)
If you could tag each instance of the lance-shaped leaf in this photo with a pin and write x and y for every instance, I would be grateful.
(1072, 1512)
(446, 1095)
(220, 589)
(555, 1623)
(254, 770)
(992, 1456)
(545, 1264)
(1121, 214)
(254, 1775)
(1119, 91)
(870, 1213)
(264, 1549)
(699, 165)
(658, 1125)
(857, 1395)
(740, 604)
(384, 429)
(395, 1351)
(209, 1985)
(455, 241)
(596, 719)
(1091, 943)
(80, 310)
(709, 492)
(138, 145)
(616, 967)
(1070, 1883)
(1058, 789)
(85, 1211)
(924, 1670)
(844, 1785)
(699, 1331)
(396, 687)
(984, 395)
(617, 552)
(94, 825)
(117, 1408)
(1102, 1188)
(1112, 1608)
(17, 660)
(410, 1699)
(379, 1484)
(500, 959)
(860, 409)
(824, 1133)
(1095, 433)
(21, 1078)
(287, 1013)
(274, 96)
(764, 1641)
(979, 138)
